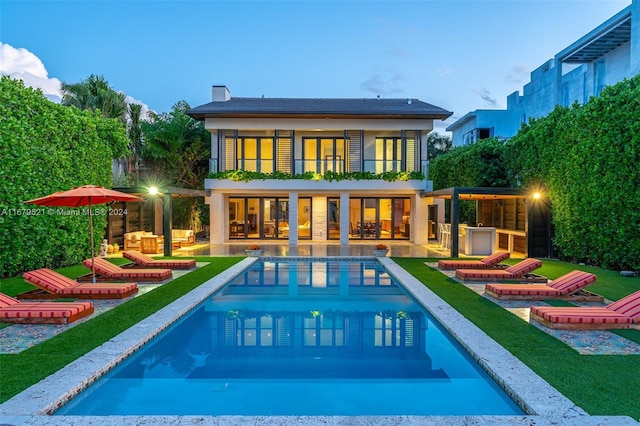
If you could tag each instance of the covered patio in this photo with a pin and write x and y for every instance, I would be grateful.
(521, 218)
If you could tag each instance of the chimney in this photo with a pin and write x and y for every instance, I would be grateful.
(220, 94)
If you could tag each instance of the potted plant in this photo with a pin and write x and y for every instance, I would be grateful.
(380, 250)
(253, 250)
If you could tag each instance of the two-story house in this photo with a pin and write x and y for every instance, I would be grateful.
(604, 56)
(318, 137)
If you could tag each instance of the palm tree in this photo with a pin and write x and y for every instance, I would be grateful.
(94, 94)
(134, 131)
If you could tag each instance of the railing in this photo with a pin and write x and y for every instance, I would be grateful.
(213, 165)
(381, 166)
(319, 166)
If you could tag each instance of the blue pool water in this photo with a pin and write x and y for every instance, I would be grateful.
(300, 338)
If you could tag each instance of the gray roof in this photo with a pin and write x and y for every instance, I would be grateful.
(319, 107)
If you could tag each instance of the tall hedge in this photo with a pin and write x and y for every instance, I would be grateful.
(44, 148)
(588, 159)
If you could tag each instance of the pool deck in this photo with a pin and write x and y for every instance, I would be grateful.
(544, 403)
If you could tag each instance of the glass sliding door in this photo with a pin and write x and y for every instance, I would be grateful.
(379, 218)
(304, 218)
(333, 218)
(255, 154)
(320, 155)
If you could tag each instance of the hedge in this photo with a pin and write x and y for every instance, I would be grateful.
(46, 147)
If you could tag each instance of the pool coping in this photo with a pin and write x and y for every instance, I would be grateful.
(544, 404)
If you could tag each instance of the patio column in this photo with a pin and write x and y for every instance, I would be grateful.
(455, 220)
(344, 218)
(293, 218)
(166, 222)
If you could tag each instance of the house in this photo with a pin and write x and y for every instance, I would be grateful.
(319, 138)
(605, 56)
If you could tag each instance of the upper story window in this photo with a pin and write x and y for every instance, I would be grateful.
(388, 155)
(255, 154)
(319, 155)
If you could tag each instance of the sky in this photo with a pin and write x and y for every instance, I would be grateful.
(460, 55)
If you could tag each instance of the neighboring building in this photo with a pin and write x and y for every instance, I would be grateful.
(296, 135)
(605, 56)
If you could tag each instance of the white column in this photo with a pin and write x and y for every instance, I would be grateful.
(344, 218)
(419, 220)
(293, 218)
(218, 220)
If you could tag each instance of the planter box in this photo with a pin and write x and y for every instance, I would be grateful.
(380, 253)
(253, 253)
(319, 185)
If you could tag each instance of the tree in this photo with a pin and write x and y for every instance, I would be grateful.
(134, 132)
(437, 144)
(94, 94)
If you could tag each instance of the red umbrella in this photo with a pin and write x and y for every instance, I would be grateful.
(86, 195)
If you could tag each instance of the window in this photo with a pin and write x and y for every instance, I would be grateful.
(319, 155)
(255, 154)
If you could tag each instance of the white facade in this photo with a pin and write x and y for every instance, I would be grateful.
(321, 136)
(605, 56)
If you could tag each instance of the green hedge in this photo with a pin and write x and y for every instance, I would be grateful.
(588, 159)
(45, 148)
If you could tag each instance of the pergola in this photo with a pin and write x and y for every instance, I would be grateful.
(167, 194)
(458, 193)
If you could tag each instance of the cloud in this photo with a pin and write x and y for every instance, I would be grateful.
(445, 71)
(518, 75)
(20, 64)
(489, 100)
(383, 85)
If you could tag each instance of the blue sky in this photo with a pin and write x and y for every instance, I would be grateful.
(458, 55)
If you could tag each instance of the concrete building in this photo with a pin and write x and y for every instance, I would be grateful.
(605, 56)
(319, 137)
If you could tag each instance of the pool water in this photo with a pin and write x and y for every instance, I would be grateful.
(301, 337)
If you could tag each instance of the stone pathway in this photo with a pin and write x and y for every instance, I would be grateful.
(586, 342)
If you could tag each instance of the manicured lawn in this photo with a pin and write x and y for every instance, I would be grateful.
(19, 371)
(601, 385)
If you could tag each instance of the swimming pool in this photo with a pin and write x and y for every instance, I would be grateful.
(302, 337)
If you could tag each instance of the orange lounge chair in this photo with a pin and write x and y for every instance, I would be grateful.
(488, 262)
(15, 311)
(625, 313)
(52, 285)
(518, 272)
(566, 287)
(142, 260)
(107, 270)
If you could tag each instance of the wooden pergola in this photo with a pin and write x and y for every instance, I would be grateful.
(541, 213)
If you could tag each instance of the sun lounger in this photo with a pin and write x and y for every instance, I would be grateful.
(625, 313)
(107, 270)
(567, 287)
(518, 272)
(52, 285)
(488, 262)
(142, 260)
(15, 311)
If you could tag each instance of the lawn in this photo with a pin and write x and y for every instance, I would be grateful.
(601, 385)
(596, 383)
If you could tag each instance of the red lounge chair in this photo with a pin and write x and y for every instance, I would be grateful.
(52, 285)
(515, 272)
(564, 287)
(109, 271)
(625, 313)
(140, 259)
(488, 262)
(12, 310)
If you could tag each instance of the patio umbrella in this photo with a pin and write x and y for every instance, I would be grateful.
(87, 195)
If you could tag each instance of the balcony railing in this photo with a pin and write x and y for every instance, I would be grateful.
(319, 166)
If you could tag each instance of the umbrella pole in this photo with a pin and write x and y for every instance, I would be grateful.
(93, 266)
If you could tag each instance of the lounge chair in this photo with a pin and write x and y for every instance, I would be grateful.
(15, 311)
(488, 262)
(106, 270)
(567, 287)
(625, 313)
(52, 285)
(142, 260)
(518, 272)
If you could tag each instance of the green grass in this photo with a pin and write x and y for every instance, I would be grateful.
(601, 385)
(19, 371)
